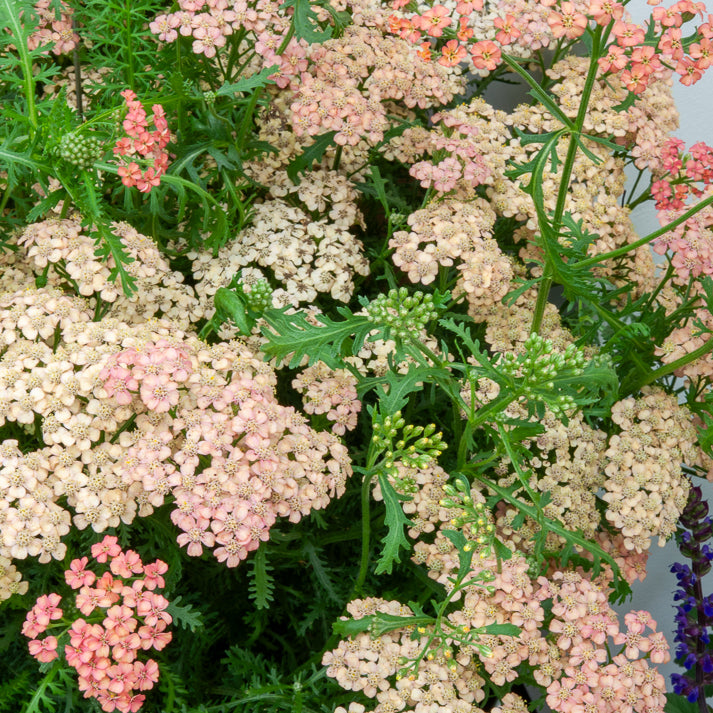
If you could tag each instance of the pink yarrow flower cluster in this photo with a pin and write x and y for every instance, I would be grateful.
(231, 456)
(211, 23)
(462, 159)
(689, 176)
(53, 30)
(142, 145)
(155, 371)
(125, 615)
(637, 61)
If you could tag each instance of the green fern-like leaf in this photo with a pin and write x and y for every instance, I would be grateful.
(291, 337)
(395, 539)
(185, 615)
(321, 571)
(262, 585)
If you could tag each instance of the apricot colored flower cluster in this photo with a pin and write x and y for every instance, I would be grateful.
(568, 632)
(53, 30)
(143, 145)
(572, 661)
(128, 614)
(455, 232)
(349, 78)
(332, 392)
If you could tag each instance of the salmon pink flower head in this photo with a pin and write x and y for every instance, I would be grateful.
(435, 20)
(149, 160)
(106, 655)
(44, 650)
(568, 23)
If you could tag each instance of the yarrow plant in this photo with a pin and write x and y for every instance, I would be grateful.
(125, 615)
(360, 389)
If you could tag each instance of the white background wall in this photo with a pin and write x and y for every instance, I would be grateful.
(695, 105)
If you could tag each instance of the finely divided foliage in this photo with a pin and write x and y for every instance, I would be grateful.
(328, 386)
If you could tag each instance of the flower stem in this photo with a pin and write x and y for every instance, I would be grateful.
(669, 368)
(649, 238)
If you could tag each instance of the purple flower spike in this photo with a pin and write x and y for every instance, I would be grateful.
(694, 615)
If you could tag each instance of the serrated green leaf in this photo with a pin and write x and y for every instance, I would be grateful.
(291, 335)
(320, 571)
(306, 22)
(502, 630)
(311, 153)
(261, 587)
(185, 615)
(395, 520)
(259, 79)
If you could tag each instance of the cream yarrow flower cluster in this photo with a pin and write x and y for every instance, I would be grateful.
(645, 488)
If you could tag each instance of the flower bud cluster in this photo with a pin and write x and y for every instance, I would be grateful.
(475, 515)
(259, 295)
(539, 365)
(125, 615)
(402, 313)
(80, 150)
(541, 362)
(425, 447)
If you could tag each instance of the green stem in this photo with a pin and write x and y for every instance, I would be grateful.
(179, 102)
(365, 533)
(543, 294)
(648, 238)
(235, 41)
(574, 138)
(633, 190)
(20, 35)
(670, 368)
(669, 272)
(129, 48)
